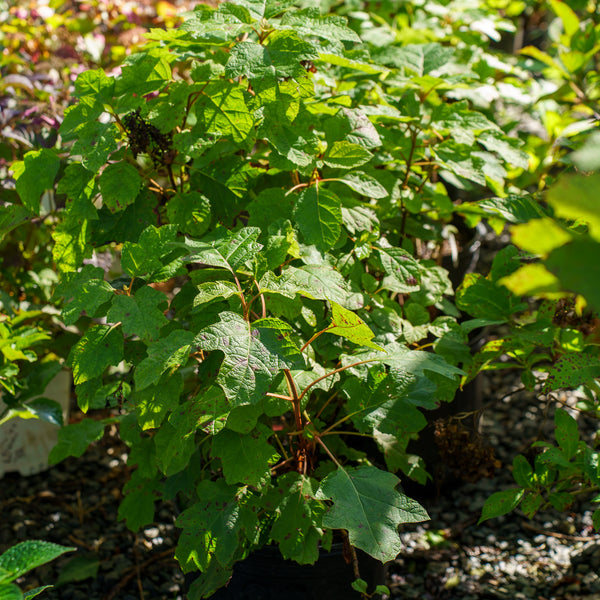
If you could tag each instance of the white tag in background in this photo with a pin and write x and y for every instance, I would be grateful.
(26, 443)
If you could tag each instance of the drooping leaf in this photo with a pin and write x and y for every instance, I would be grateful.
(144, 72)
(482, 298)
(10, 591)
(70, 237)
(540, 236)
(246, 458)
(319, 217)
(367, 503)
(350, 326)
(229, 251)
(576, 266)
(364, 184)
(79, 568)
(567, 432)
(78, 184)
(191, 212)
(280, 56)
(320, 282)
(153, 403)
(222, 110)
(214, 290)
(419, 58)
(576, 197)
(175, 441)
(44, 409)
(211, 527)
(137, 506)
(523, 472)
(73, 440)
(295, 530)
(309, 22)
(98, 348)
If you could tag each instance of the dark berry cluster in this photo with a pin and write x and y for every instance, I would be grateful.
(145, 138)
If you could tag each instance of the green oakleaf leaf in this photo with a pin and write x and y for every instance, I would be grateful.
(153, 403)
(211, 527)
(139, 314)
(253, 355)
(119, 185)
(229, 251)
(84, 291)
(99, 347)
(279, 57)
(350, 326)
(567, 432)
(73, 440)
(144, 72)
(419, 58)
(223, 112)
(309, 22)
(318, 213)
(70, 243)
(78, 184)
(137, 507)
(246, 458)
(293, 498)
(166, 354)
(321, 282)
(143, 257)
(190, 212)
(214, 290)
(34, 176)
(175, 441)
(367, 503)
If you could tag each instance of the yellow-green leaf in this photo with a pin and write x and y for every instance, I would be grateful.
(350, 326)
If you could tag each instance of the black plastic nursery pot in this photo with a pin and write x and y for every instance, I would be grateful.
(266, 575)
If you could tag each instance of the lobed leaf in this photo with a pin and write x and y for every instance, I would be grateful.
(367, 503)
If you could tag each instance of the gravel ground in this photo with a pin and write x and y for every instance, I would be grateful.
(554, 556)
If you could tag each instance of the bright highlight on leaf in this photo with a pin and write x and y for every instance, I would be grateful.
(350, 326)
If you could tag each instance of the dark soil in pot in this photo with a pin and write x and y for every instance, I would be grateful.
(265, 575)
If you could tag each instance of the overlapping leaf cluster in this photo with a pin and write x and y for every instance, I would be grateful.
(270, 194)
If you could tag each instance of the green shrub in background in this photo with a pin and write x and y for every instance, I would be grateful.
(257, 213)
